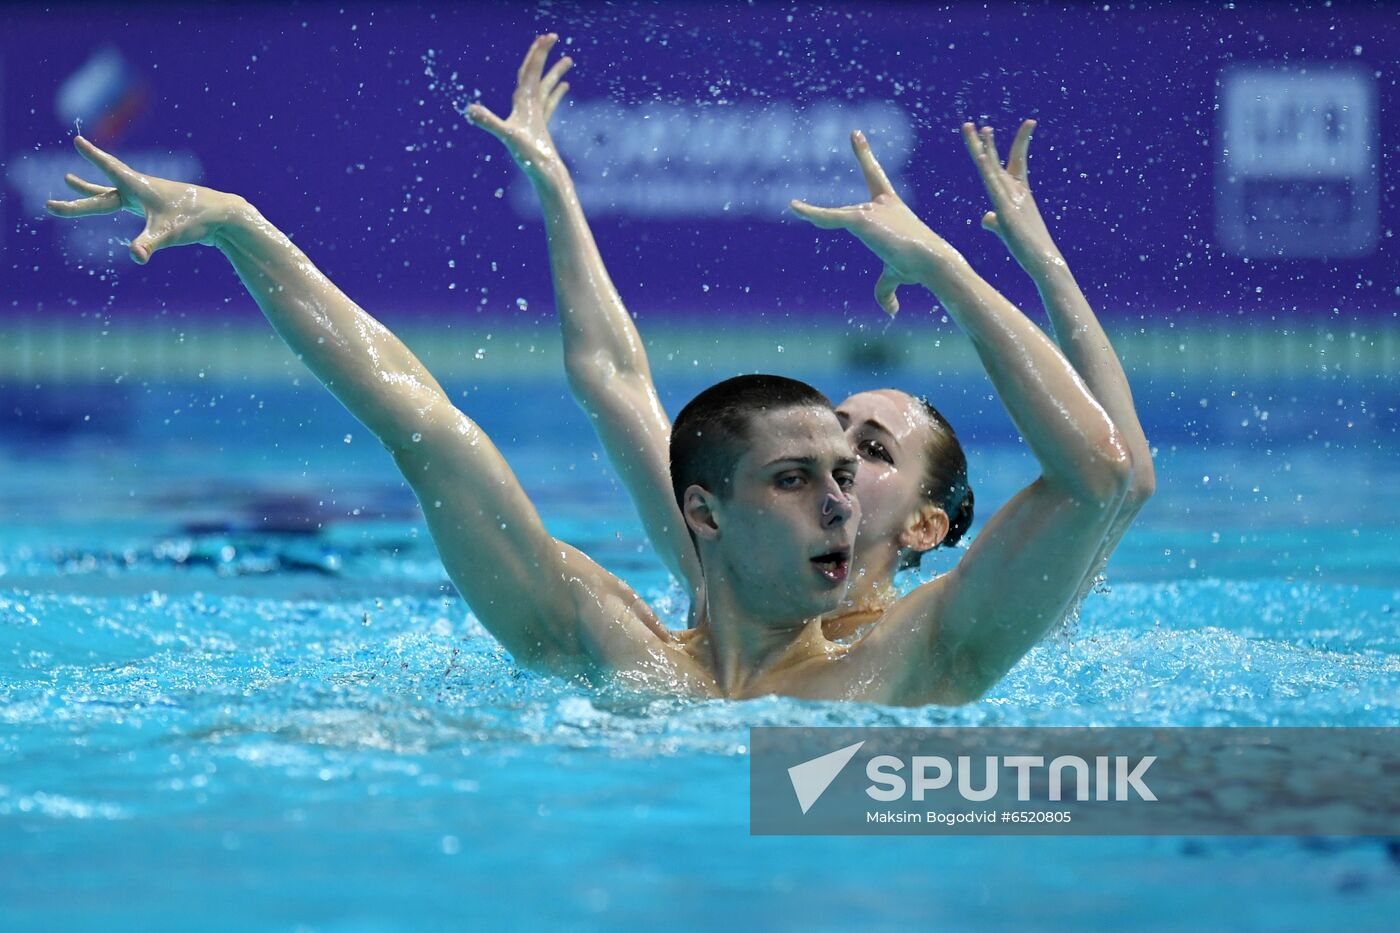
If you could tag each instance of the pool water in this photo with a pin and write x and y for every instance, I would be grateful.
(236, 691)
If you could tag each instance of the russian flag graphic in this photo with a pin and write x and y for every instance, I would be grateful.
(104, 96)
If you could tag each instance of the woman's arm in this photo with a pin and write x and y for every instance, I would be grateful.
(1016, 219)
(1077, 446)
(546, 602)
(603, 353)
(955, 637)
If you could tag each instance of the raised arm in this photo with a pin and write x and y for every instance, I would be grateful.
(951, 639)
(1016, 219)
(603, 353)
(547, 603)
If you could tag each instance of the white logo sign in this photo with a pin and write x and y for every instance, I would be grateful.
(811, 778)
(659, 160)
(1297, 162)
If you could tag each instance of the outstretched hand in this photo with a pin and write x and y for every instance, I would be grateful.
(176, 212)
(526, 131)
(884, 223)
(1014, 216)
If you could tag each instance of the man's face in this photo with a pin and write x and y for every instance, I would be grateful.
(787, 526)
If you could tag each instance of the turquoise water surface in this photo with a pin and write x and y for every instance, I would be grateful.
(236, 691)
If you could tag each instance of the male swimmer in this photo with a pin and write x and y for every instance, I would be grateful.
(765, 496)
(912, 485)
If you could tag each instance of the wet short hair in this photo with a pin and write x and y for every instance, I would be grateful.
(712, 432)
(944, 482)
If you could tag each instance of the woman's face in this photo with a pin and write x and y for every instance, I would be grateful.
(890, 434)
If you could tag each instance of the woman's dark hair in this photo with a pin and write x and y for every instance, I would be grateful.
(944, 482)
(712, 432)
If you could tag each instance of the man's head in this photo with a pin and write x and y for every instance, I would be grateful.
(762, 472)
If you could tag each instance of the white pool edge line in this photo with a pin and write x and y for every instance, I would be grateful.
(89, 351)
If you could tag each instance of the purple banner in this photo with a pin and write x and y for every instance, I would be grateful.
(1190, 160)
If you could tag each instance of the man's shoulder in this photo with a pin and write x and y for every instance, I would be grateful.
(619, 633)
